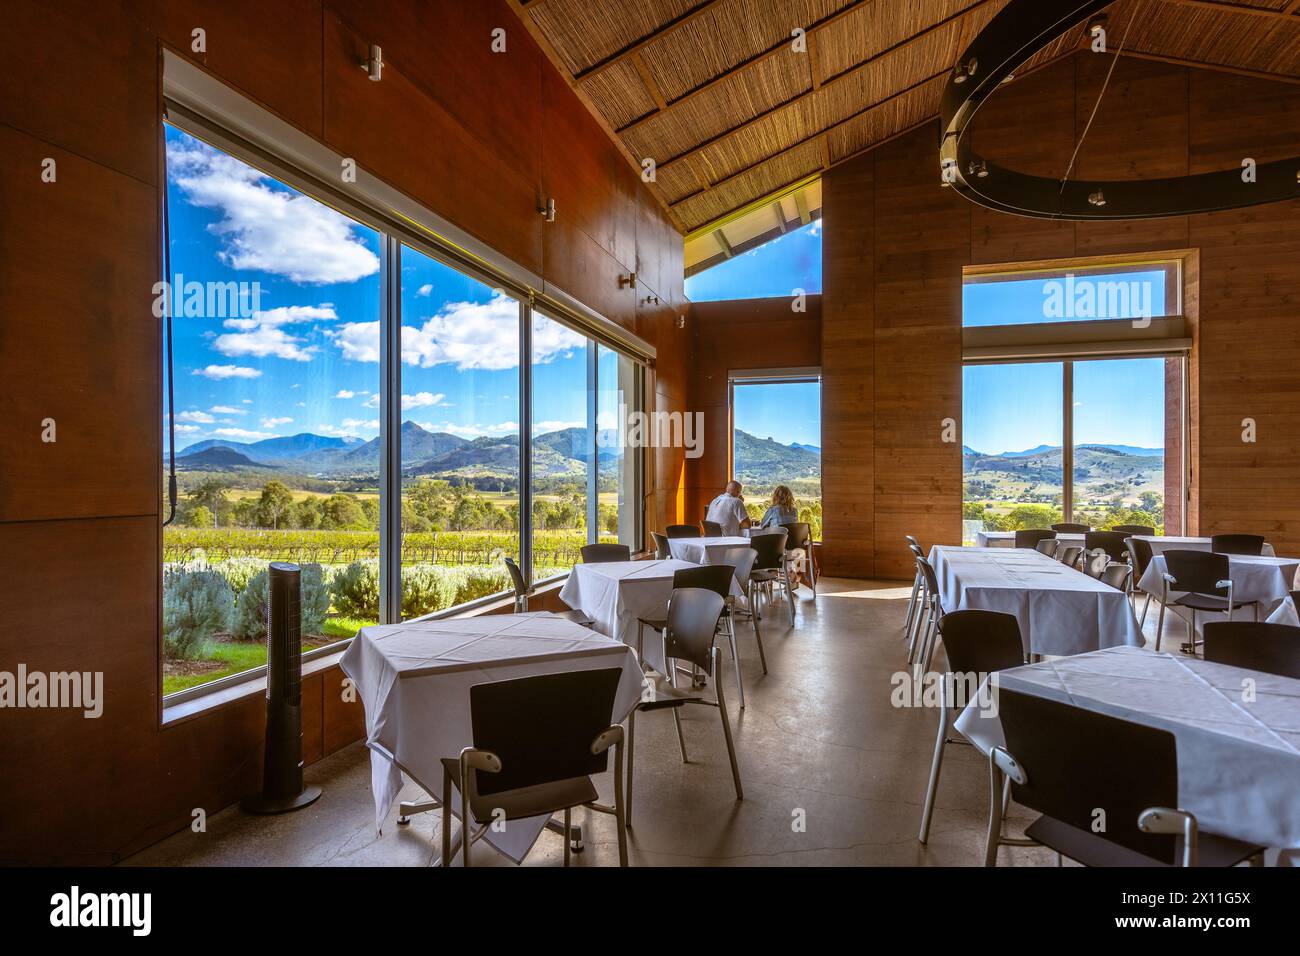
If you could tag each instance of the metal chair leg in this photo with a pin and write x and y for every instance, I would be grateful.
(731, 746)
(466, 817)
(1145, 604)
(681, 740)
(1160, 626)
(735, 659)
(932, 788)
(568, 826)
(994, 833)
(619, 822)
(631, 746)
(446, 818)
(911, 604)
(758, 637)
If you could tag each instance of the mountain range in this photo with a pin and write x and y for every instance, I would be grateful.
(1134, 450)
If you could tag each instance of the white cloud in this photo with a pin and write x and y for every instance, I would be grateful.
(247, 401)
(327, 429)
(268, 229)
(275, 422)
(816, 228)
(471, 431)
(425, 289)
(344, 393)
(468, 335)
(220, 372)
(227, 410)
(421, 400)
(540, 428)
(263, 333)
(203, 418)
(242, 434)
(360, 424)
(188, 429)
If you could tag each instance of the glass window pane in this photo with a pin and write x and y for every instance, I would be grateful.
(460, 436)
(1119, 443)
(275, 305)
(620, 494)
(563, 445)
(777, 441)
(1012, 438)
(777, 268)
(1028, 299)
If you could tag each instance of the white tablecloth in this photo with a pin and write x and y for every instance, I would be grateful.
(1238, 761)
(616, 593)
(1007, 539)
(1060, 610)
(1254, 578)
(414, 680)
(1285, 613)
(1162, 543)
(703, 550)
(1158, 542)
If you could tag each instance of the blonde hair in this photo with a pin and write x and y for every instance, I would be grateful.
(783, 498)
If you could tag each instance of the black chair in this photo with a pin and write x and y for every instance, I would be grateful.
(522, 592)
(1112, 542)
(1065, 762)
(913, 601)
(1047, 547)
(1117, 575)
(923, 641)
(692, 626)
(711, 529)
(1207, 577)
(1237, 543)
(1139, 557)
(1029, 537)
(1095, 563)
(1066, 527)
(769, 567)
(799, 537)
(976, 643)
(1254, 645)
(537, 743)
(661, 546)
(682, 531)
(605, 553)
(1069, 555)
(1141, 529)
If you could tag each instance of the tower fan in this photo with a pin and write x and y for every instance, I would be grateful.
(282, 786)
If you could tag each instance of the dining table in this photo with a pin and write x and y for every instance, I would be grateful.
(1263, 578)
(619, 594)
(1237, 731)
(704, 550)
(414, 678)
(1060, 609)
(1158, 542)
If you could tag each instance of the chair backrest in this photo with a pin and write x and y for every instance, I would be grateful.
(709, 577)
(928, 576)
(798, 534)
(1069, 555)
(1237, 543)
(1198, 571)
(1257, 646)
(1077, 761)
(1116, 575)
(516, 578)
(1069, 528)
(692, 625)
(911, 541)
(1112, 542)
(1139, 555)
(1047, 546)
(542, 727)
(1134, 529)
(682, 531)
(661, 545)
(741, 557)
(711, 528)
(604, 553)
(1094, 563)
(980, 642)
(770, 548)
(1029, 537)
(916, 551)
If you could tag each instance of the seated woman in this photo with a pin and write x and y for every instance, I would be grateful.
(784, 510)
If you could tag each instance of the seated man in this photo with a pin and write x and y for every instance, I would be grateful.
(728, 510)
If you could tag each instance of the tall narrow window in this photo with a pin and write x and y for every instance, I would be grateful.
(459, 447)
(275, 302)
(776, 441)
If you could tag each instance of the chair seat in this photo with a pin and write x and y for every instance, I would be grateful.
(765, 574)
(1208, 602)
(1092, 850)
(577, 617)
(657, 625)
(534, 801)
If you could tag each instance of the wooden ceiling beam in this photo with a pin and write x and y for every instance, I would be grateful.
(841, 77)
(636, 46)
(1262, 13)
(745, 64)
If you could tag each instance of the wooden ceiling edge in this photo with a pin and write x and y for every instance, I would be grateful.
(1202, 65)
(520, 10)
(1209, 6)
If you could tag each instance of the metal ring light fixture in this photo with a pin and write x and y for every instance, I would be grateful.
(1021, 29)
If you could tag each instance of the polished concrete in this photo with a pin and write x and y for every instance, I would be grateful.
(833, 773)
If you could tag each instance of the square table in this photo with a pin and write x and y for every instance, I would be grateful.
(414, 679)
(1165, 542)
(1262, 578)
(1007, 539)
(1060, 609)
(1158, 542)
(615, 594)
(704, 550)
(1238, 752)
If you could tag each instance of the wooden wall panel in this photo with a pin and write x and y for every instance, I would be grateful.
(78, 338)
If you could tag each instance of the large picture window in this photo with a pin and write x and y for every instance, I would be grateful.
(297, 427)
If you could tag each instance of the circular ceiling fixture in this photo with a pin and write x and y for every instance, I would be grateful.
(1020, 30)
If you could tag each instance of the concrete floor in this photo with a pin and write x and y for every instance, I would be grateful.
(819, 742)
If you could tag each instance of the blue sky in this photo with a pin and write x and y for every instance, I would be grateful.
(306, 359)
(789, 412)
(794, 261)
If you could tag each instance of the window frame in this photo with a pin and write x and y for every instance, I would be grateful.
(804, 375)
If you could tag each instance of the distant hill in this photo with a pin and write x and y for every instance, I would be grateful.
(1100, 471)
(812, 448)
(765, 461)
(270, 450)
(216, 458)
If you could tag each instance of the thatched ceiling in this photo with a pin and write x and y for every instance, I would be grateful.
(715, 93)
